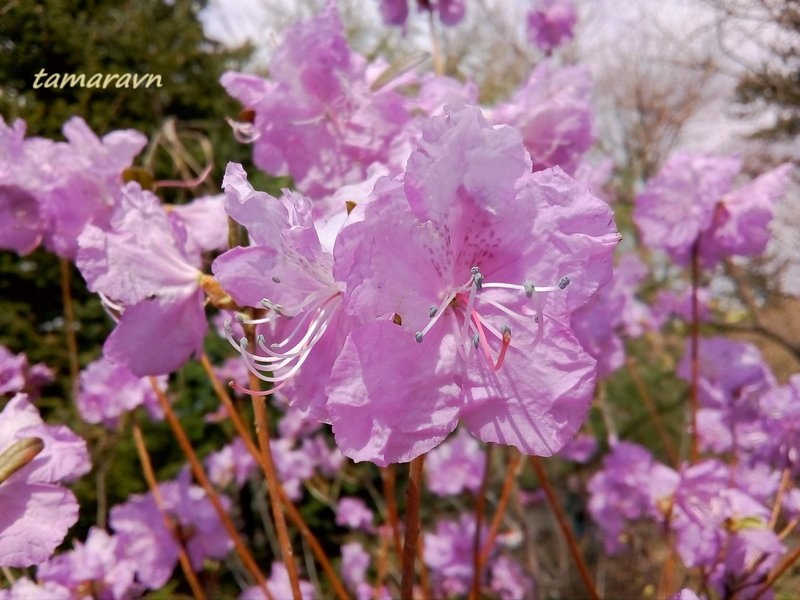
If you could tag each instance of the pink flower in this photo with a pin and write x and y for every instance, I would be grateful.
(553, 111)
(353, 513)
(279, 586)
(144, 274)
(551, 23)
(16, 375)
(107, 390)
(139, 525)
(465, 264)
(34, 458)
(455, 465)
(690, 201)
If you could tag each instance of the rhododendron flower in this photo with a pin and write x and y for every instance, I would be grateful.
(317, 118)
(553, 111)
(613, 311)
(142, 270)
(627, 488)
(353, 513)
(690, 201)
(279, 586)
(287, 271)
(466, 265)
(455, 465)
(448, 554)
(775, 437)
(96, 568)
(508, 580)
(107, 390)
(34, 457)
(140, 527)
(732, 377)
(550, 23)
(50, 190)
(16, 375)
(395, 12)
(231, 464)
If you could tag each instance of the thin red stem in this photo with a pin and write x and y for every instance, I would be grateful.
(413, 498)
(566, 530)
(200, 476)
(152, 483)
(480, 509)
(695, 358)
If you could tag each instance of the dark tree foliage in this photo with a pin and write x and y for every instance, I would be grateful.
(160, 37)
(777, 85)
(111, 37)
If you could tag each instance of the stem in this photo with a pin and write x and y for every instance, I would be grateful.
(480, 508)
(382, 566)
(779, 570)
(424, 579)
(273, 483)
(69, 319)
(200, 476)
(413, 497)
(651, 408)
(147, 469)
(694, 401)
(566, 530)
(294, 514)
(502, 505)
(388, 477)
(786, 481)
(438, 63)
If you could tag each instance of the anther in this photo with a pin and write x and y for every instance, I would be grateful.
(276, 279)
(418, 336)
(563, 282)
(506, 331)
(432, 312)
(477, 278)
(529, 289)
(476, 340)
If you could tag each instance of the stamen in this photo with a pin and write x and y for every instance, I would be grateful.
(439, 312)
(432, 312)
(259, 393)
(504, 347)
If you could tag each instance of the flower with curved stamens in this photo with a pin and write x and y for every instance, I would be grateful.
(466, 264)
(287, 273)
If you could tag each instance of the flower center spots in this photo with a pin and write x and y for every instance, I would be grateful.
(474, 331)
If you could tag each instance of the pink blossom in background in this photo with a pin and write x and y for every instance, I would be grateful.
(50, 190)
(691, 201)
(455, 466)
(141, 267)
(37, 511)
(99, 565)
(139, 526)
(354, 514)
(317, 118)
(450, 12)
(107, 390)
(551, 23)
(233, 464)
(553, 111)
(17, 375)
(279, 586)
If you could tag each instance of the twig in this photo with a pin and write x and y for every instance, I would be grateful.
(388, 477)
(147, 469)
(69, 321)
(502, 505)
(413, 497)
(566, 530)
(694, 386)
(294, 514)
(480, 508)
(200, 476)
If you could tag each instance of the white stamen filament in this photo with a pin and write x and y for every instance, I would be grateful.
(470, 332)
